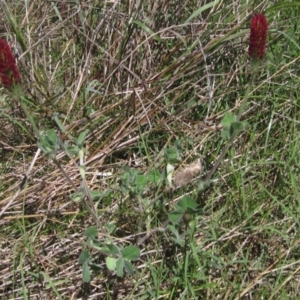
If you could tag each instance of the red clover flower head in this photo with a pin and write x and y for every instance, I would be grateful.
(9, 73)
(258, 36)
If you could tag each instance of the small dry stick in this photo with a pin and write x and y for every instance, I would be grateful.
(23, 182)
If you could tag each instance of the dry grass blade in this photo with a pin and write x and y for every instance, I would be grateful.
(147, 84)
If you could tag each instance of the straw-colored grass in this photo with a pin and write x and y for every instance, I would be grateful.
(148, 80)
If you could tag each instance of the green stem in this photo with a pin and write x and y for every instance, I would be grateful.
(29, 118)
(231, 140)
(246, 97)
(91, 209)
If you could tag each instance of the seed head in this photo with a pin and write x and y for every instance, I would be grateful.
(9, 73)
(258, 36)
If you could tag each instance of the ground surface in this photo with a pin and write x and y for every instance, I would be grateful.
(141, 87)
